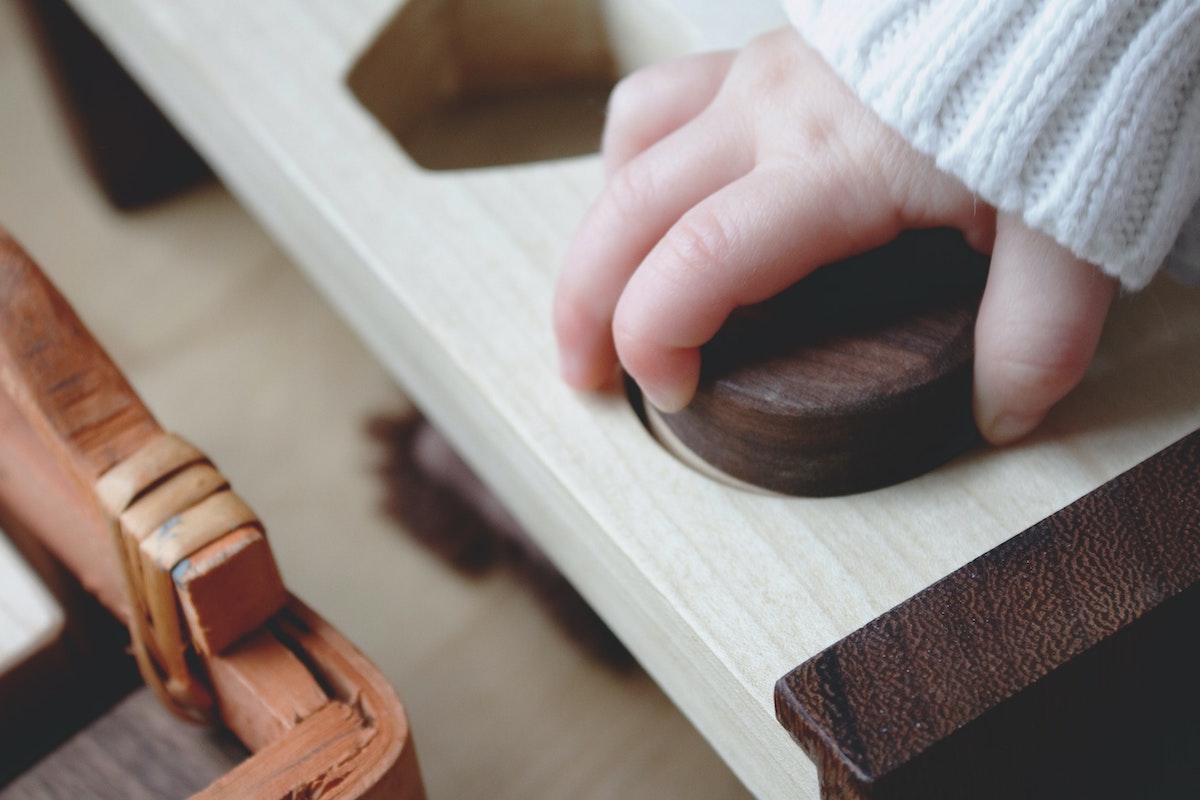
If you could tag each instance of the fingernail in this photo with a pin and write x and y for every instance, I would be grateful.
(1008, 428)
(667, 399)
(573, 370)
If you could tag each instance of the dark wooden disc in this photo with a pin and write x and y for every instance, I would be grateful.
(857, 377)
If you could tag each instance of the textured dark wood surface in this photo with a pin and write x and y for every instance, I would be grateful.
(856, 378)
(137, 751)
(1063, 663)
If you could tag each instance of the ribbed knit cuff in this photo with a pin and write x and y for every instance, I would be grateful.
(1081, 115)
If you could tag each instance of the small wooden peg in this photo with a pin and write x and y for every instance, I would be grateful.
(228, 589)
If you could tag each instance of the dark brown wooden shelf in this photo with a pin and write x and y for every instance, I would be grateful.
(1062, 663)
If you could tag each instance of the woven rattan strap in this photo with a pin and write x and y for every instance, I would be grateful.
(170, 504)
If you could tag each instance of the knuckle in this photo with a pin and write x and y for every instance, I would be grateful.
(630, 191)
(1043, 371)
(630, 97)
(769, 60)
(699, 245)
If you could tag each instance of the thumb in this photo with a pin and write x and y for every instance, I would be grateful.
(1039, 323)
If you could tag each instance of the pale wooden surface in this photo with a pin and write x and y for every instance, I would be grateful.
(227, 344)
(30, 618)
(448, 278)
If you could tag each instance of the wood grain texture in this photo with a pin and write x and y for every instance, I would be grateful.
(56, 380)
(135, 751)
(543, 719)
(59, 375)
(448, 278)
(265, 689)
(229, 589)
(1025, 671)
(858, 377)
(381, 764)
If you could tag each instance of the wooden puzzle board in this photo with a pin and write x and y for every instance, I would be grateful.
(447, 275)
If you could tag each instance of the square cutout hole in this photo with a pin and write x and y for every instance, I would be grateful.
(465, 84)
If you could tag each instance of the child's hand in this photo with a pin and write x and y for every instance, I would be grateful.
(731, 177)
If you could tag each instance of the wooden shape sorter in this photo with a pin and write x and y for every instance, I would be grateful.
(360, 133)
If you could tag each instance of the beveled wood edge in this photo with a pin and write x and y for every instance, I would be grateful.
(1107, 564)
(88, 419)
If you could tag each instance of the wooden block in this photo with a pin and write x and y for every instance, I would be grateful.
(264, 689)
(858, 377)
(1060, 664)
(143, 492)
(228, 589)
(172, 542)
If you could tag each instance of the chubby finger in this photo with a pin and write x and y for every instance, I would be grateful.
(741, 246)
(1039, 324)
(655, 101)
(637, 207)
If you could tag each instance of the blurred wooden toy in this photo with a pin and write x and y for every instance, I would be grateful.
(152, 529)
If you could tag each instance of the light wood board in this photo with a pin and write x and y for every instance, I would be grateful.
(221, 335)
(448, 275)
(30, 617)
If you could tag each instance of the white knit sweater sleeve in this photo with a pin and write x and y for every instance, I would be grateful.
(1081, 115)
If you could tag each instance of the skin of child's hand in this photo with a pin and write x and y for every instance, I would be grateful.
(732, 176)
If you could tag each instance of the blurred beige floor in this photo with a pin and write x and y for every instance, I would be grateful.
(230, 347)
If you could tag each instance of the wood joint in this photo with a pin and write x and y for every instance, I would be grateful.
(183, 539)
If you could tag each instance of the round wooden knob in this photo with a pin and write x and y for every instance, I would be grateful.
(857, 377)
